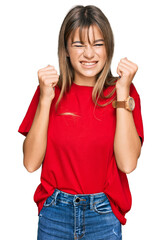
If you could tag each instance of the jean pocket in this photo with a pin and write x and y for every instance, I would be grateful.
(49, 201)
(103, 207)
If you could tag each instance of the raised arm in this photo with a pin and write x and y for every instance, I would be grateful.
(127, 144)
(34, 146)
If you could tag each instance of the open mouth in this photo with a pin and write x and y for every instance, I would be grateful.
(89, 63)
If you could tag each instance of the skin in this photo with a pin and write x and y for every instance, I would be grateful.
(126, 151)
(34, 146)
(94, 51)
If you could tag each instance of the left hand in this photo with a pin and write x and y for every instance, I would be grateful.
(126, 70)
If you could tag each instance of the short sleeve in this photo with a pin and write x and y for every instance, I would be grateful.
(137, 115)
(28, 119)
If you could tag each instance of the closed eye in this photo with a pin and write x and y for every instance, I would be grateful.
(94, 45)
(78, 46)
(98, 45)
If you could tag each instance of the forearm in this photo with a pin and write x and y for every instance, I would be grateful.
(127, 144)
(34, 146)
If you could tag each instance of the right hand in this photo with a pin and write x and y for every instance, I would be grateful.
(48, 78)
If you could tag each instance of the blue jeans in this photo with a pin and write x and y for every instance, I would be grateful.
(79, 216)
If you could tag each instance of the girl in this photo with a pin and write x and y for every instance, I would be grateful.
(85, 144)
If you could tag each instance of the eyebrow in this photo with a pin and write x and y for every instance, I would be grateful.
(98, 40)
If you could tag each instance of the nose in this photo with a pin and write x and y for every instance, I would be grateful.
(88, 52)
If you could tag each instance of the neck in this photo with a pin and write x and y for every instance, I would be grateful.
(84, 81)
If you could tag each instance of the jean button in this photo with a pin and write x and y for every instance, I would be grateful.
(77, 200)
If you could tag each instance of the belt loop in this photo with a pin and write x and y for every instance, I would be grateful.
(91, 201)
(55, 197)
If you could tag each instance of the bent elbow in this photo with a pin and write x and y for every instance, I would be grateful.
(29, 167)
(30, 170)
(129, 168)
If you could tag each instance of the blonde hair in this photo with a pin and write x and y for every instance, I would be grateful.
(83, 17)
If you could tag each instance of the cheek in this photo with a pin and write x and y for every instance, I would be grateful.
(72, 58)
(73, 55)
(102, 54)
(74, 62)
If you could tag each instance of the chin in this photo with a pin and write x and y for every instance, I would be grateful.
(91, 74)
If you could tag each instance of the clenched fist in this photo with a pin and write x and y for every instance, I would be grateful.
(48, 78)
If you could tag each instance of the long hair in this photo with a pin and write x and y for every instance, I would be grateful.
(83, 17)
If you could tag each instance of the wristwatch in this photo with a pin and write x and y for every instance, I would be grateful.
(128, 104)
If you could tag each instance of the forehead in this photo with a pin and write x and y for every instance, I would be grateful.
(86, 34)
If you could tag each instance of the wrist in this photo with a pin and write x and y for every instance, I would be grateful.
(122, 94)
(45, 102)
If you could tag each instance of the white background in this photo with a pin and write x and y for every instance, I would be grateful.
(29, 37)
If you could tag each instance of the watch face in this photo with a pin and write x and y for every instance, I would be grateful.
(131, 103)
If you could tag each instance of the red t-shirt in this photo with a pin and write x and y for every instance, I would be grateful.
(79, 156)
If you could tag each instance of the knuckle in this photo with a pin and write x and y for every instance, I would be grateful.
(40, 77)
(52, 67)
(43, 78)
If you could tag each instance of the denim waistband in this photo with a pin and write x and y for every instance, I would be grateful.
(78, 199)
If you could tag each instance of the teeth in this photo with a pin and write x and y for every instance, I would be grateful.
(88, 63)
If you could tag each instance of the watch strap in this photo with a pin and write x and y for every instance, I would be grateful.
(118, 104)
